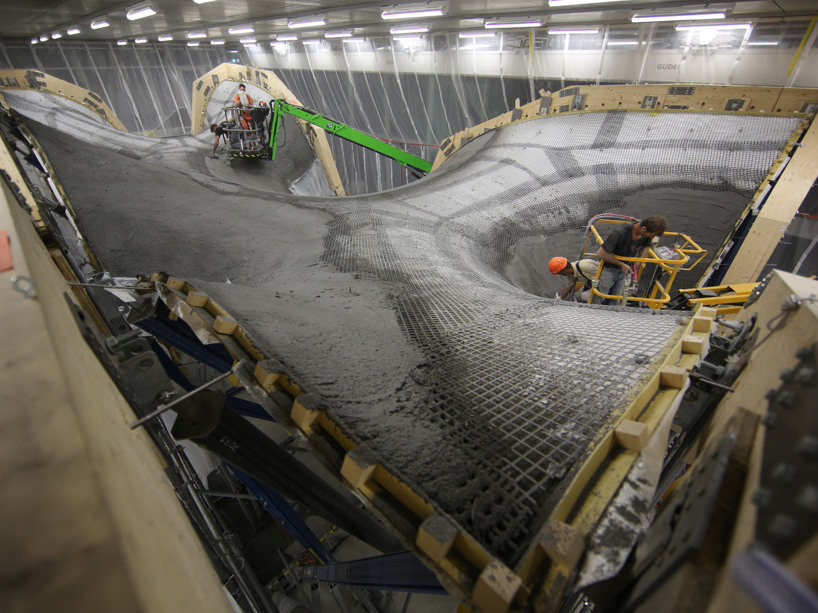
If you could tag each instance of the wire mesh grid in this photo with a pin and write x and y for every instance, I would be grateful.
(520, 386)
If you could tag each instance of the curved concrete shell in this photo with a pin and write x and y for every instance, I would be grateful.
(401, 314)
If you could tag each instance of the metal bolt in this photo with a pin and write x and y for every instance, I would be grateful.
(805, 353)
(807, 499)
(808, 447)
(806, 375)
(762, 497)
(782, 526)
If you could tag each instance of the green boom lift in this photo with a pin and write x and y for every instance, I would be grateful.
(281, 108)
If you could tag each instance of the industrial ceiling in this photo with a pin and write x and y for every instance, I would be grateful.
(213, 20)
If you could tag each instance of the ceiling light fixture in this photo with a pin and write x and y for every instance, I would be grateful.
(247, 41)
(312, 41)
(99, 22)
(413, 29)
(651, 17)
(140, 11)
(359, 39)
(414, 12)
(241, 30)
(164, 37)
(763, 43)
(477, 34)
(197, 34)
(35, 40)
(140, 41)
(714, 26)
(202, 1)
(406, 37)
(72, 30)
(338, 34)
(623, 42)
(43, 38)
(558, 3)
(217, 41)
(573, 30)
(499, 23)
(193, 43)
(121, 42)
(56, 35)
(286, 37)
(306, 22)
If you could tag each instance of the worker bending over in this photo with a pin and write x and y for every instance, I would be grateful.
(220, 130)
(582, 271)
(628, 241)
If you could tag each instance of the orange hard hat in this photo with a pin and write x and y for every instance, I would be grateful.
(557, 264)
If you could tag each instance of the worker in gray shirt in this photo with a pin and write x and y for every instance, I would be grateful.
(581, 271)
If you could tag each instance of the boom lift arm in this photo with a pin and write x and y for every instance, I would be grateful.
(281, 108)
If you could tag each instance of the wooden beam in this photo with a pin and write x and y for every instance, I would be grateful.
(777, 212)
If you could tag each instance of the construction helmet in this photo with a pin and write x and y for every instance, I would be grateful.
(557, 264)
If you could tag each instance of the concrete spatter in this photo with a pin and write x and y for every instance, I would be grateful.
(706, 216)
(389, 307)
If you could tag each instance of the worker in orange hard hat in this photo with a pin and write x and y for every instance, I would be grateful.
(581, 271)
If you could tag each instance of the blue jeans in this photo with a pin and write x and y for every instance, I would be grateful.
(610, 282)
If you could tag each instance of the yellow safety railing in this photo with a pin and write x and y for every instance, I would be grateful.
(658, 294)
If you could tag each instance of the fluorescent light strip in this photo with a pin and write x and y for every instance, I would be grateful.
(140, 41)
(577, 2)
(286, 37)
(763, 43)
(56, 35)
(121, 42)
(312, 41)
(319, 21)
(35, 40)
(140, 12)
(575, 31)
(218, 41)
(339, 34)
(43, 38)
(645, 18)
(72, 30)
(355, 40)
(197, 34)
(406, 37)
(99, 23)
(410, 14)
(623, 42)
(193, 43)
(513, 24)
(477, 34)
(164, 38)
(202, 1)
(247, 41)
(715, 26)
(241, 30)
(409, 29)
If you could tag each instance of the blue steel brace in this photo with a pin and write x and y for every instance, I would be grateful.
(396, 572)
(279, 508)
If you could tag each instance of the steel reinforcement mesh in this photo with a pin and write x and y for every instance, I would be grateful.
(519, 386)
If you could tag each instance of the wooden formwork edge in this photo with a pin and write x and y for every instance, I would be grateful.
(561, 543)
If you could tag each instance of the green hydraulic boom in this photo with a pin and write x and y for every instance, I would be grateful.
(280, 108)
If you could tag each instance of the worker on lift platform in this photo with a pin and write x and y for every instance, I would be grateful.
(630, 240)
(242, 100)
